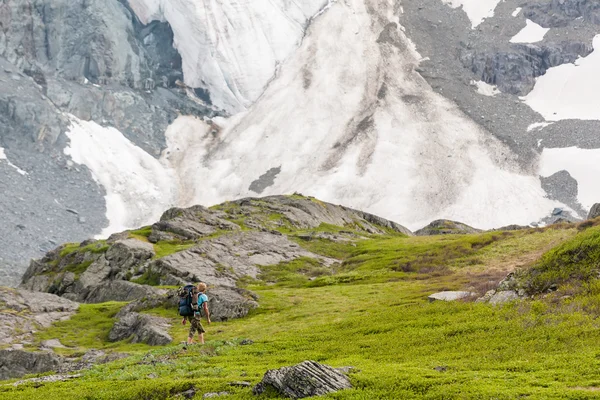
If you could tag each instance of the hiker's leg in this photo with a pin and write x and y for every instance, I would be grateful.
(193, 330)
(201, 337)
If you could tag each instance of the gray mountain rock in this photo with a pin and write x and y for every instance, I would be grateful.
(17, 363)
(594, 212)
(141, 328)
(22, 312)
(450, 296)
(306, 379)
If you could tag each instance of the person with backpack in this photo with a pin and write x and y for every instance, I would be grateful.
(191, 300)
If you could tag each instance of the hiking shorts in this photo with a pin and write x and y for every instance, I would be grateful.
(195, 325)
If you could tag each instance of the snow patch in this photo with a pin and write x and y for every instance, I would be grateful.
(476, 10)
(583, 166)
(138, 187)
(485, 88)
(569, 91)
(3, 157)
(531, 33)
(538, 126)
(232, 48)
(516, 12)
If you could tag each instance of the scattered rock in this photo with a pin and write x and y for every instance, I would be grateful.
(246, 342)
(306, 379)
(450, 296)
(214, 394)
(441, 368)
(240, 384)
(445, 227)
(48, 379)
(52, 344)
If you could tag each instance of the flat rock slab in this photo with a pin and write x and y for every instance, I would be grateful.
(449, 296)
(306, 379)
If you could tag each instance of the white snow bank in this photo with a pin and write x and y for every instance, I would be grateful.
(232, 48)
(476, 10)
(516, 12)
(531, 33)
(569, 91)
(3, 157)
(138, 187)
(582, 164)
(485, 88)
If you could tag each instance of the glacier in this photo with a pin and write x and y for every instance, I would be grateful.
(232, 48)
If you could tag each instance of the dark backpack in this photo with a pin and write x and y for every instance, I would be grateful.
(186, 302)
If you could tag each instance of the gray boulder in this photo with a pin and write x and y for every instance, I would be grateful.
(141, 329)
(124, 254)
(594, 211)
(504, 296)
(121, 291)
(17, 363)
(22, 312)
(306, 379)
(449, 296)
(446, 227)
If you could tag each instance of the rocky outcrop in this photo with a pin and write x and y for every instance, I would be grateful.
(17, 363)
(514, 72)
(23, 312)
(446, 227)
(306, 379)
(559, 13)
(219, 246)
(594, 211)
(141, 328)
(509, 289)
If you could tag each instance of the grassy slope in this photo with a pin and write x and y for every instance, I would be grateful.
(372, 315)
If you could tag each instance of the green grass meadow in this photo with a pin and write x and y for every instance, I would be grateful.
(371, 312)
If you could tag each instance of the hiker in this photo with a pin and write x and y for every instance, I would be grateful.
(200, 300)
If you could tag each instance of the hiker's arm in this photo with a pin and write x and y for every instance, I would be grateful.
(183, 321)
(205, 306)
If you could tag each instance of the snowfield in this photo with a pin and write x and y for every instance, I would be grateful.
(582, 164)
(476, 10)
(531, 33)
(569, 91)
(346, 119)
(138, 187)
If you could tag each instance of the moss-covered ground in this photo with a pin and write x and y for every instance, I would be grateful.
(371, 312)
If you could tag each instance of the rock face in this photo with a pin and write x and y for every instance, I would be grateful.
(23, 311)
(17, 363)
(141, 329)
(594, 211)
(306, 379)
(445, 227)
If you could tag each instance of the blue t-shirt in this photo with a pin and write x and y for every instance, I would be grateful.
(202, 298)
